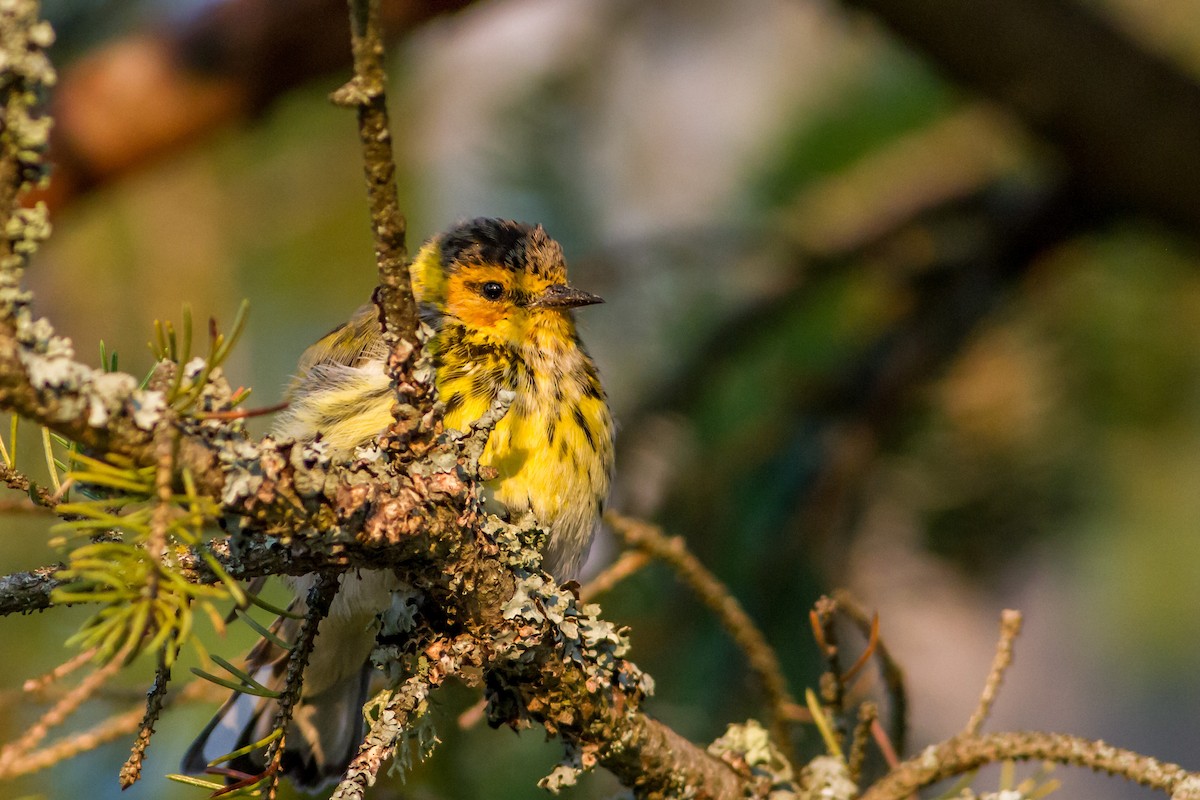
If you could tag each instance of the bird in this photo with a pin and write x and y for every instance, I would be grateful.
(496, 296)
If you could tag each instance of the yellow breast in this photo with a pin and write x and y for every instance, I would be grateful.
(553, 449)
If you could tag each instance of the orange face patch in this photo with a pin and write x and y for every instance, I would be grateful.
(465, 298)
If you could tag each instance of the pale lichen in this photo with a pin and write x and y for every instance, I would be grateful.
(827, 778)
(565, 773)
(25, 75)
(748, 748)
(147, 408)
(110, 389)
(27, 228)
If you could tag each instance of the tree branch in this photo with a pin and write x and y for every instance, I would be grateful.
(962, 754)
(365, 93)
(728, 610)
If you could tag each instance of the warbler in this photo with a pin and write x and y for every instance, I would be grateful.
(496, 295)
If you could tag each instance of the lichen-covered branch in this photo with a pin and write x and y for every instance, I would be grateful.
(395, 717)
(546, 659)
(25, 592)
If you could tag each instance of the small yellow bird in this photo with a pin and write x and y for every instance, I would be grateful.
(495, 293)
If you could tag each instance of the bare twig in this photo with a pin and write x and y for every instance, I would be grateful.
(320, 597)
(115, 727)
(868, 713)
(884, 743)
(40, 684)
(629, 563)
(11, 754)
(962, 754)
(132, 769)
(729, 611)
(1010, 628)
(38, 495)
(893, 675)
(833, 687)
(365, 93)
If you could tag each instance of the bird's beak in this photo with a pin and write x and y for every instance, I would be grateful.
(562, 296)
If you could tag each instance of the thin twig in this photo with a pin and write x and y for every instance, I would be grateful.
(714, 594)
(962, 754)
(851, 675)
(243, 413)
(40, 684)
(629, 563)
(11, 755)
(320, 596)
(114, 727)
(1010, 628)
(893, 675)
(132, 769)
(833, 687)
(868, 712)
(884, 743)
(365, 93)
(38, 495)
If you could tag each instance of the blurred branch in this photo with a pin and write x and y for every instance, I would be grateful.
(627, 564)
(893, 675)
(1010, 628)
(941, 163)
(14, 758)
(949, 290)
(962, 754)
(1125, 120)
(115, 727)
(948, 269)
(729, 612)
(152, 93)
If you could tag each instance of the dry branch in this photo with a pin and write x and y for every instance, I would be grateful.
(962, 754)
(671, 550)
(1010, 628)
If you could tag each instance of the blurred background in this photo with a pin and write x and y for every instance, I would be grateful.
(902, 296)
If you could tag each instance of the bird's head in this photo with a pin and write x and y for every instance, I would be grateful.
(504, 280)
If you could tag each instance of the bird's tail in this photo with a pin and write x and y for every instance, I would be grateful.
(322, 738)
(327, 723)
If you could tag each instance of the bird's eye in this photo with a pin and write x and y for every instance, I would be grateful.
(492, 290)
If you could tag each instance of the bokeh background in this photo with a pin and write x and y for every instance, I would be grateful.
(880, 316)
